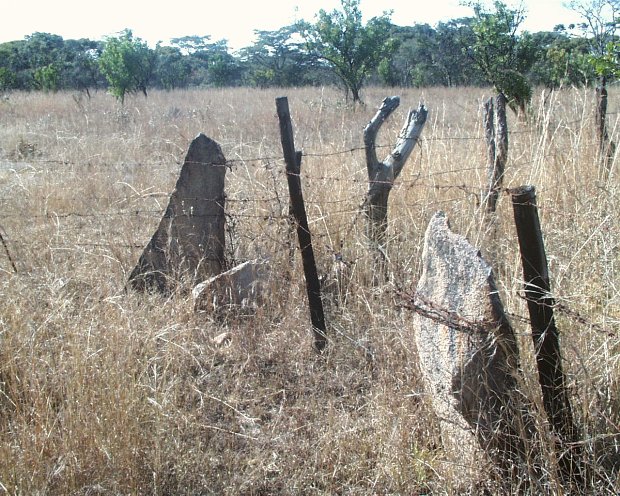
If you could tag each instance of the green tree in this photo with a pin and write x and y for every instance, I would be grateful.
(8, 79)
(353, 50)
(209, 61)
(413, 64)
(601, 22)
(48, 77)
(428, 56)
(193, 44)
(172, 68)
(455, 69)
(128, 64)
(81, 69)
(502, 56)
(601, 19)
(563, 60)
(276, 58)
(43, 49)
(11, 64)
(43, 57)
(223, 70)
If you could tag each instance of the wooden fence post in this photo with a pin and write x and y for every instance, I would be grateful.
(544, 331)
(293, 170)
(496, 134)
(6, 250)
(607, 148)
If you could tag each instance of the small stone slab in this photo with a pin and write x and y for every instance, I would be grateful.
(188, 245)
(243, 288)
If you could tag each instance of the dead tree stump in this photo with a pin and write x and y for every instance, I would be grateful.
(381, 175)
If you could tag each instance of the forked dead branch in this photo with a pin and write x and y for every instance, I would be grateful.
(381, 175)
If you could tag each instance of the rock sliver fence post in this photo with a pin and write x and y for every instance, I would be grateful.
(188, 246)
(468, 352)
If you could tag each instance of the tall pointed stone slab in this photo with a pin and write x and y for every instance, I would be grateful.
(468, 352)
(188, 245)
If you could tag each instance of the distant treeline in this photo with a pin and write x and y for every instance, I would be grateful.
(426, 56)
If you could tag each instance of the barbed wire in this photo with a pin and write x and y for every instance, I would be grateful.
(432, 311)
(275, 158)
(273, 164)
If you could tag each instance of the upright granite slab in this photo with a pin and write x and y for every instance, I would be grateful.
(468, 352)
(188, 246)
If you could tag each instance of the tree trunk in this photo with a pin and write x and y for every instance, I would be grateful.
(381, 175)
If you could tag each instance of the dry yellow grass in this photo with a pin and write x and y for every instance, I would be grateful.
(103, 392)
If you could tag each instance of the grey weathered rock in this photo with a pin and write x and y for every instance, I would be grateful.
(468, 350)
(188, 245)
(243, 287)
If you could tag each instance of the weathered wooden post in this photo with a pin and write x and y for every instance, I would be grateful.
(293, 170)
(6, 249)
(496, 134)
(381, 175)
(188, 246)
(544, 331)
(606, 147)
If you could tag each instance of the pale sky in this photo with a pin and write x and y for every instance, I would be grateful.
(234, 20)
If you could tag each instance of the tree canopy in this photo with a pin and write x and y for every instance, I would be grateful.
(600, 23)
(352, 49)
(503, 56)
(127, 63)
(337, 47)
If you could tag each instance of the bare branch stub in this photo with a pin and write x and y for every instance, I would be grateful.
(371, 130)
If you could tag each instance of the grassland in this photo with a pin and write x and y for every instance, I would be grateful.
(107, 392)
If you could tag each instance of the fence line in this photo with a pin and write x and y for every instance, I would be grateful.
(278, 158)
(274, 164)
(469, 190)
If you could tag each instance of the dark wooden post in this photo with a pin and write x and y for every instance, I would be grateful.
(293, 170)
(544, 331)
